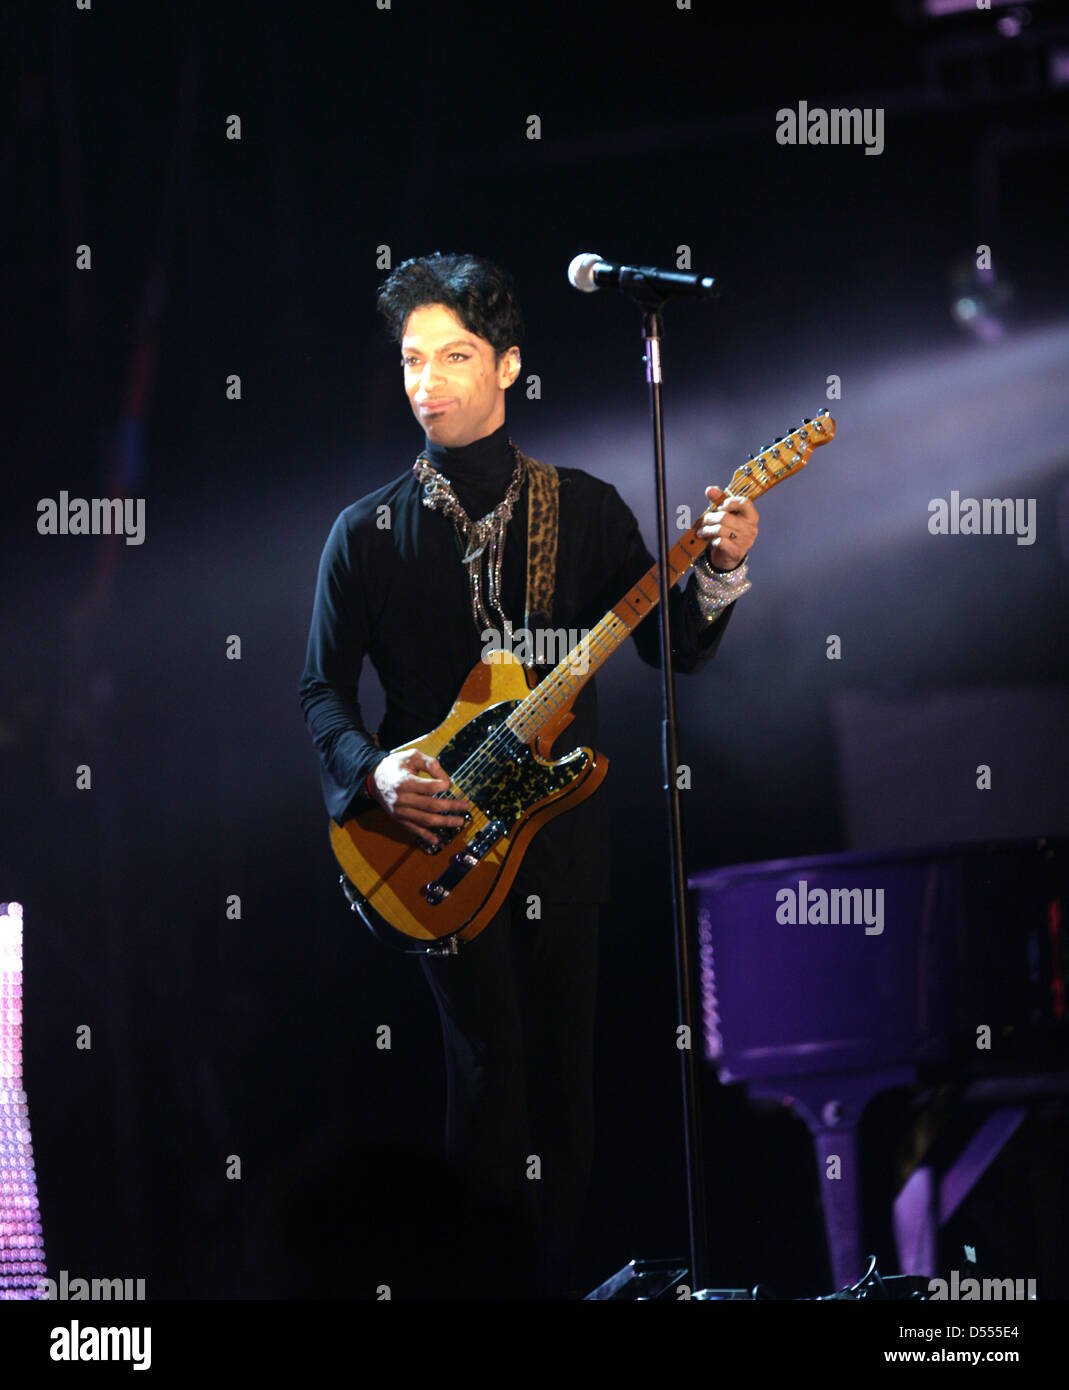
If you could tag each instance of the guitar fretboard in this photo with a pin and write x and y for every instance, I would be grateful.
(557, 691)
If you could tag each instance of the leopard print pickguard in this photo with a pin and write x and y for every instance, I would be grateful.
(505, 779)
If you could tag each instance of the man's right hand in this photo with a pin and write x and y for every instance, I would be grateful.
(412, 799)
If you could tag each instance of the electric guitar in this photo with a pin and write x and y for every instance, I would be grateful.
(495, 746)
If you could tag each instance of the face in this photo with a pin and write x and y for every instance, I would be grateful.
(455, 388)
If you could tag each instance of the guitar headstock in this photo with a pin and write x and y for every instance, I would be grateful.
(781, 458)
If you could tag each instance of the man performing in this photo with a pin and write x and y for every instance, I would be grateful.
(417, 576)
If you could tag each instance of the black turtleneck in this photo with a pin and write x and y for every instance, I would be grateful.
(392, 588)
(480, 471)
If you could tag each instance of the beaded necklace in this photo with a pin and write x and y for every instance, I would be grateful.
(485, 536)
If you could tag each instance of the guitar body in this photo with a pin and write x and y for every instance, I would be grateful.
(404, 890)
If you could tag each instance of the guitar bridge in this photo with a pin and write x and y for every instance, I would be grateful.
(463, 862)
(442, 837)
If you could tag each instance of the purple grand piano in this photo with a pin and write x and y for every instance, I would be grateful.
(828, 980)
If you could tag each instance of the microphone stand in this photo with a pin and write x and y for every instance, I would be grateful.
(652, 304)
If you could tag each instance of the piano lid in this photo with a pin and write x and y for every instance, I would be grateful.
(844, 962)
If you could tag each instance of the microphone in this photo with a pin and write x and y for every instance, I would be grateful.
(588, 272)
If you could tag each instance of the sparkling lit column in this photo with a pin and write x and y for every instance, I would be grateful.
(22, 1251)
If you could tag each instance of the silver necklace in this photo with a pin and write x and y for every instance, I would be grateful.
(477, 538)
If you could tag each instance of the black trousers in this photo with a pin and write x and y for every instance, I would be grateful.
(517, 1007)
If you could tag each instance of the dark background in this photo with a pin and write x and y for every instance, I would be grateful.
(406, 129)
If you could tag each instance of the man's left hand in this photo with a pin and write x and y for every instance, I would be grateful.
(730, 528)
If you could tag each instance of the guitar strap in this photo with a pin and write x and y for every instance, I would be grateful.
(542, 517)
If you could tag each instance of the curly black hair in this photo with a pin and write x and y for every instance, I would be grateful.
(481, 294)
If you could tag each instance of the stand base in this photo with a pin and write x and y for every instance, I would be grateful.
(643, 1281)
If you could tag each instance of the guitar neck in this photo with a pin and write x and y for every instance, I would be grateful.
(568, 677)
(557, 691)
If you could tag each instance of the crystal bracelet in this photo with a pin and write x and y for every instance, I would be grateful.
(716, 589)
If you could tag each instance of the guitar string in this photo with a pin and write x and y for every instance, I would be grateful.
(483, 756)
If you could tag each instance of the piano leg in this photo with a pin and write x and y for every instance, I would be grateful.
(840, 1194)
(916, 1223)
(832, 1106)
